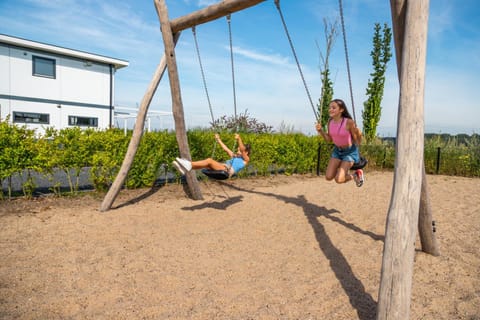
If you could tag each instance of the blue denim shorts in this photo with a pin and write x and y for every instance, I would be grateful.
(350, 154)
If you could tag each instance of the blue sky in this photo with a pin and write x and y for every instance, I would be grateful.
(268, 84)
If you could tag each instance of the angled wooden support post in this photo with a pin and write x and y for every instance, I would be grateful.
(397, 264)
(426, 225)
(426, 228)
(136, 136)
(177, 104)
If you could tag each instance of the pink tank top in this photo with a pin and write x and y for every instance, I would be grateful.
(339, 133)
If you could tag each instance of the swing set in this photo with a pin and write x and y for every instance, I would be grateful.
(409, 206)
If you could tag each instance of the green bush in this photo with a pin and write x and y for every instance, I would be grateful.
(457, 155)
(103, 151)
(108, 157)
(18, 155)
(154, 150)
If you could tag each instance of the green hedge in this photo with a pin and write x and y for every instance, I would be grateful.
(72, 150)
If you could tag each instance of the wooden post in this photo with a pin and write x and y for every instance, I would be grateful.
(426, 228)
(397, 8)
(215, 11)
(177, 105)
(136, 136)
(428, 239)
(398, 253)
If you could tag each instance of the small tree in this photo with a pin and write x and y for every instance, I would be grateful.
(380, 54)
(331, 32)
(326, 97)
(241, 123)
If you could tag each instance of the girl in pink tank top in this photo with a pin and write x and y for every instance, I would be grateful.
(345, 135)
(339, 133)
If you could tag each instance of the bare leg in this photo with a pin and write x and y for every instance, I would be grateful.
(209, 164)
(342, 173)
(332, 168)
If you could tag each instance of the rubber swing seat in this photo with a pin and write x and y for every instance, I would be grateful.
(360, 164)
(216, 174)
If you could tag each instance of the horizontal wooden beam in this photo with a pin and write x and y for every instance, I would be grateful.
(215, 11)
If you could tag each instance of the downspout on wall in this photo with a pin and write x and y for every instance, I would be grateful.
(110, 123)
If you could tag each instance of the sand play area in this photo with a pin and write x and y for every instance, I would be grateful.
(281, 247)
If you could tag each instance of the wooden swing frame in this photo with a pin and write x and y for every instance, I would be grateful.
(409, 204)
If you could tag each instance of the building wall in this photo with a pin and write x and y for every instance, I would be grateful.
(80, 88)
(4, 80)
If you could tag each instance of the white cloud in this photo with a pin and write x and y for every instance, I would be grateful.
(269, 58)
(440, 19)
(205, 3)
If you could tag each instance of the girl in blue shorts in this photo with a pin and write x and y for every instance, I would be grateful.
(238, 161)
(345, 135)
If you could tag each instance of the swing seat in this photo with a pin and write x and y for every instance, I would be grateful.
(216, 174)
(360, 164)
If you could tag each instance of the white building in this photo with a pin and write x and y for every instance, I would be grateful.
(43, 85)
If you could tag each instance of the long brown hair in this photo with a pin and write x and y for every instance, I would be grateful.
(248, 148)
(341, 104)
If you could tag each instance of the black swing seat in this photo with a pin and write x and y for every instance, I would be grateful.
(216, 174)
(360, 164)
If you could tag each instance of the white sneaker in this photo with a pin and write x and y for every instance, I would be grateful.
(187, 165)
(178, 167)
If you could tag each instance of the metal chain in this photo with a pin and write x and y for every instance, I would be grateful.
(205, 85)
(203, 74)
(362, 159)
(233, 68)
(346, 58)
(277, 4)
(229, 18)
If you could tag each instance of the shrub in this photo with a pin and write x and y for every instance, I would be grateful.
(102, 152)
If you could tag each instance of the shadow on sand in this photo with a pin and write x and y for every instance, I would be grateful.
(360, 300)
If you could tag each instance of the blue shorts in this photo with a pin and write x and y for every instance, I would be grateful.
(349, 154)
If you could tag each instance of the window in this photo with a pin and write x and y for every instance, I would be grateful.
(43, 67)
(28, 117)
(82, 121)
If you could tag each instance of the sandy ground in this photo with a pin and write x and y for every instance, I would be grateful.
(265, 248)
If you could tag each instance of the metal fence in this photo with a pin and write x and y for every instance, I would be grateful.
(458, 160)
